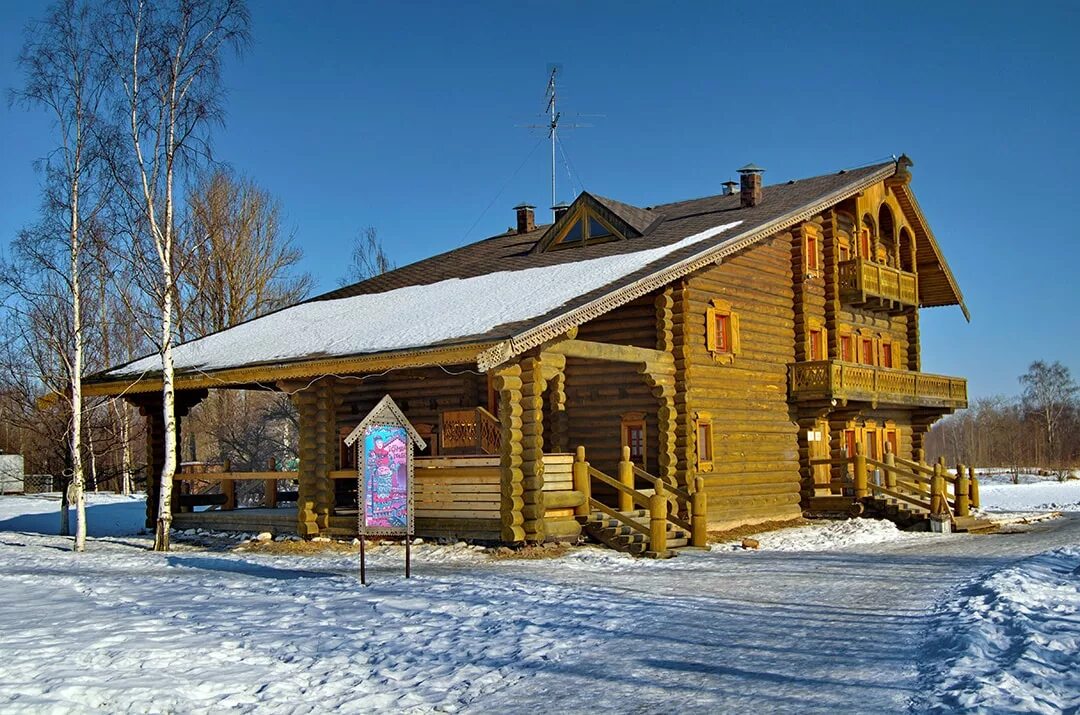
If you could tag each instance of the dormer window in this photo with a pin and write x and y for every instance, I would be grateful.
(585, 229)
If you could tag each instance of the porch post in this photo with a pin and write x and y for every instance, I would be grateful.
(532, 448)
(508, 387)
(316, 407)
(660, 376)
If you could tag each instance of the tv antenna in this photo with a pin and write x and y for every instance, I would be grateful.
(553, 124)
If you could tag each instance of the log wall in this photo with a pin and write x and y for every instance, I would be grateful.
(755, 468)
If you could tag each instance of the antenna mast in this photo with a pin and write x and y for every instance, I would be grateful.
(553, 128)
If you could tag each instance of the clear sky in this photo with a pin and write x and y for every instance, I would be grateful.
(408, 117)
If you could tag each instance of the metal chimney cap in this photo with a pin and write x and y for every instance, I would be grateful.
(524, 205)
(751, 169)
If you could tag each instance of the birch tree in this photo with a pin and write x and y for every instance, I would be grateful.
(168, 56)
(63, 75)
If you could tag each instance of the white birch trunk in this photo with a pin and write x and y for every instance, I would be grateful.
(77, 478)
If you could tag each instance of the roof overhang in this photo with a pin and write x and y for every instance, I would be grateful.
(937, 285)
(266, 376)
(531, 338)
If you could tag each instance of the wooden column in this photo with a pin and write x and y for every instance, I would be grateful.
(508, 388)
(808, 484)
(832, 284)
(532, 448)
(307, 489)
(326, 403)
(684, 424)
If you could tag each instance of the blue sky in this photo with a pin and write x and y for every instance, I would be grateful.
(407, 117)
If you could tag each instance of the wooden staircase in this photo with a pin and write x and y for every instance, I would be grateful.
(652, 522)
(910, 493)
(616, 534)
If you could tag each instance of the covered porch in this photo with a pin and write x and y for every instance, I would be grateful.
(498, 466)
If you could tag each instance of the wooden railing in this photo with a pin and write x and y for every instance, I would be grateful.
(226, 498)
(474, 429)
(861, 279)
(658, 504)
(927, 486)
(833, 379)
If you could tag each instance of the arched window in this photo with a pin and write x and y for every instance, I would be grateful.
(907, 251)
(867, 238)
(886, 250)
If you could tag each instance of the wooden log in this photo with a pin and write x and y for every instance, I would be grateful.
(626, 478)
(963, 494)
(228, 488)
(562, 500)
(562, 529)
(699, 514)
(658, 506)
(859, 463)
(582, 482)
(973, 488)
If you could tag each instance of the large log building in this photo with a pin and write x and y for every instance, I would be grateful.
(719, 344)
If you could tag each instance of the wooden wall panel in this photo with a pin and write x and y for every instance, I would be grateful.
(755, 474)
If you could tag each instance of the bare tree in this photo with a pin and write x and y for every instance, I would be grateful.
(1050, 395)
(368, 258)
(241, 264)
(63, 75)
(169, 57)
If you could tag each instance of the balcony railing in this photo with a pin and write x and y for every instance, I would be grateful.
(865, 282)
(835, 380)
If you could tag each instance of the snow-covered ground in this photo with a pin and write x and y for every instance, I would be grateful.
(1011, 641)
(1032, 493)
(826, 618)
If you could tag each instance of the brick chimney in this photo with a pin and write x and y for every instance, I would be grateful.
(526, 218)
(559, 210)
(750, 185)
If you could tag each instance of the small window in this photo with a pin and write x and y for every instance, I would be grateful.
(847, 348)
(810, 246)
(843, 248)
(576, 234)
(633, 436)
(867, 351)
(886, 354)
(816, 345)
(597, 229)
(722, 331)
(586, 228)
(704, 442)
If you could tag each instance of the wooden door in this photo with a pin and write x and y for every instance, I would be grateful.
(818, 441)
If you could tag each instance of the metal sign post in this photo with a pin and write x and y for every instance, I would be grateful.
(385, 446)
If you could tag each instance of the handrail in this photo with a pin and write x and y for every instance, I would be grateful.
(615, 514)
(923, 468)
(677, 491)
(895, 494)
(634, 494)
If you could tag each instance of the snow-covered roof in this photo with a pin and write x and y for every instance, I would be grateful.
(451, 311)
(500, 294)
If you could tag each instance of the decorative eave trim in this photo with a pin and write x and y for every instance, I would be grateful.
(386, 404)
(905, 190)
(518, 344)
(269, 373)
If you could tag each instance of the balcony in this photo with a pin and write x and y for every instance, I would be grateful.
(873, 285)
(828, 380)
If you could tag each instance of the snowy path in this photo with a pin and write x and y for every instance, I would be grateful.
(706, 632)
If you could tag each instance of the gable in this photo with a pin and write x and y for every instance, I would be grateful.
(594, 219)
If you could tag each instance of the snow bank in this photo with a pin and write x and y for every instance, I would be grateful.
(828, 536)
(356, 325)
(1011, 642)
(1046, 495)
(106, 514)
